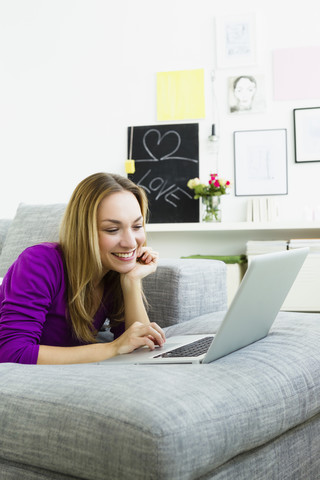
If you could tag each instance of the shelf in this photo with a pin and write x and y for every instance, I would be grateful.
(234, 226)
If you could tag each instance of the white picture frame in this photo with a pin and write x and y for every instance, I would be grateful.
(307, 134)
(236, 40)
(260, 162)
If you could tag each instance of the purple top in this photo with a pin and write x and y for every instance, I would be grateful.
(33, 305)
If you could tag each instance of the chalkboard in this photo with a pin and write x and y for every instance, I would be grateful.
(166, 157)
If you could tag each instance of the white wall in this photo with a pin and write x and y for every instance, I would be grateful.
(75, 73)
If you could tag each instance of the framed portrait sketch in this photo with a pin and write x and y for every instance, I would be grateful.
(307, 134)
(246, 94)
(260, 162)
(236, 40)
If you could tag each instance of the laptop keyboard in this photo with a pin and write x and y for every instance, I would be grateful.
(194, 349)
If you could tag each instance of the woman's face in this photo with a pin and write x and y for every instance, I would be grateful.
(121, 231)
(244, 92)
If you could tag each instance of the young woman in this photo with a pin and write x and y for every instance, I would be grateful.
(56, 296)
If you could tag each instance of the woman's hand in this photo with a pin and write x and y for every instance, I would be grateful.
(135, 312)
(147, 260)
(139, 335)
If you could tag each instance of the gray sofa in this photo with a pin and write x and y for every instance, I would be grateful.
(252, 415)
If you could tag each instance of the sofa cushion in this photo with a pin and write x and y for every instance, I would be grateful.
(4, 226)
(32, 224)
(100, 421)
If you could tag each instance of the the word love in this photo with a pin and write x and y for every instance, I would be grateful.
(162, 189)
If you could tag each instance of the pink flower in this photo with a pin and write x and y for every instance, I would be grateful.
(227, 183)
(216, 183)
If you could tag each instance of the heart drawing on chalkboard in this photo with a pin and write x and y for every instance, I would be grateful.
(156, 144)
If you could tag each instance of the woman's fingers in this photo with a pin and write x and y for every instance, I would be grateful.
(148, 255)
(147, 261)
(160, 335)
(139, 335)
(152, 334)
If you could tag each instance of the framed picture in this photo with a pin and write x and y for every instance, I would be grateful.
(307, 134)
(236, 40)
(260, 162)
(246, 94)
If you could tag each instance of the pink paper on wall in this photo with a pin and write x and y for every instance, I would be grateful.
(296, 73)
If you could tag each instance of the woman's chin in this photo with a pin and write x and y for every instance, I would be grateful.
(124, 266)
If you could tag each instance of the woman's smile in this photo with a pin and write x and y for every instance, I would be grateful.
(125, 255)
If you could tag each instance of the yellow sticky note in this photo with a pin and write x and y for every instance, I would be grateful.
(180, 95)
(130, 166)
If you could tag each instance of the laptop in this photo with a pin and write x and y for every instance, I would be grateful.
(249, 318)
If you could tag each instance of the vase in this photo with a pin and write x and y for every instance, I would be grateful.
(211, 209)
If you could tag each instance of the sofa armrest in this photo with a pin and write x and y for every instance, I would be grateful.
(182, 289)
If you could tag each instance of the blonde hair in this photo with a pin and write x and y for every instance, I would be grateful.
(80, 247)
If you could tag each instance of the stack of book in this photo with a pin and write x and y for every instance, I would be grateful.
(257, 247)
(262, 209)
(312, 243)
(304, 295)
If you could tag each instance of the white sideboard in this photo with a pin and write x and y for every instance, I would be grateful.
(174, 240)
(183, 239)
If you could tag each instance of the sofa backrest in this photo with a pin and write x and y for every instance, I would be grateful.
(32, 224)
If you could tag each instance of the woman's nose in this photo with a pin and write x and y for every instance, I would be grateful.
(128, 239)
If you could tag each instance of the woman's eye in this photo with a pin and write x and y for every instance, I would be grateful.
(138, 227)
(111, 230)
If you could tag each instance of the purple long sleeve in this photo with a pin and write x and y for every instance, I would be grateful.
(33, 305)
